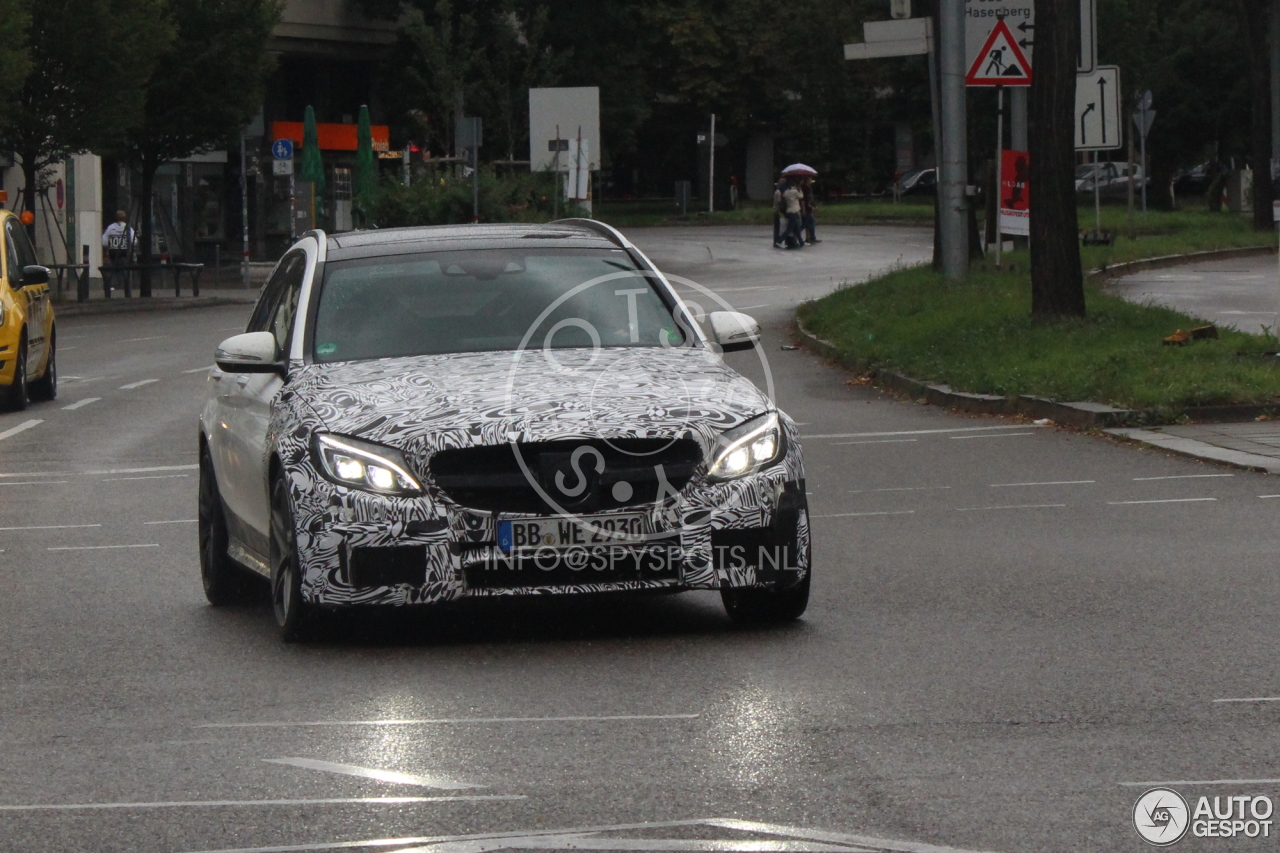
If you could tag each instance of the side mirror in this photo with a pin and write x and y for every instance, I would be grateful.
(252, 352)
(734, 331)
(34, 274)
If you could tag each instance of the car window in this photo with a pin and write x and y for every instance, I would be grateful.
(488, 300)
(21, 254)
(286, 309)
(264, 311)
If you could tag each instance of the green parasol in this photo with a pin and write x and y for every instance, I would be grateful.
(312, 166)
(366, 176)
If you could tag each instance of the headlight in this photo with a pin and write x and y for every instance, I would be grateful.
(364, 465)
(748, 448)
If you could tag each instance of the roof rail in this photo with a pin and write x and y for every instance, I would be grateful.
(607, 231)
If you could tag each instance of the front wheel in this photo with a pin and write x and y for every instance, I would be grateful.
(751, 606)
(293, 615)
(19, 394)
(46, 387)
(224, 581)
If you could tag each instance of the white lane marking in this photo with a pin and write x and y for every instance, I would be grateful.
(144, 470)
(921, 431)
(51, 527)
(1001, 435)
(451, 721)
(1183, 477)
(225, 803)
(132, 340)
(900, 489)
(1199, 782)
(35, 483)
(138, 384)
(110, 471)
(1252, 699)
(151, 477)
(79, 404)
(591, 841)
(373, 773)
(1165, 501)
(878, 441)
(518, 840)
(207, 367)
(174, 521)
(1047, 483)
(761, 305)
(1014, 506)
(66, 349)
(99, 547)
(857, 514)
(1264, 497)
(25, 425)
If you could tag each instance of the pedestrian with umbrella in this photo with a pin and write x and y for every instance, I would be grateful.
(792, 201)
(312, 165)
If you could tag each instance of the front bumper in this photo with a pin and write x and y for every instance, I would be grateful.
(358, 548)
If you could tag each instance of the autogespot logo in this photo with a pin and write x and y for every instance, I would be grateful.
(1161, 816)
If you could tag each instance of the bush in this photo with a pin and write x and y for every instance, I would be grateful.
(438, 197)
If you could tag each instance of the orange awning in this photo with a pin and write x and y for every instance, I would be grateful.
(333, 137)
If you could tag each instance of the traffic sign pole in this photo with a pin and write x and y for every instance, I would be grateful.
(999, 169)
(953, 171)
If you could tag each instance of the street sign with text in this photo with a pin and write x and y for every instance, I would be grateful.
(1098, 124)
(981, 17)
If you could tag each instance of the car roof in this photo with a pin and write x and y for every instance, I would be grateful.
(448, 238)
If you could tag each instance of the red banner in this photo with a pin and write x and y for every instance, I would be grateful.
(1015, 193)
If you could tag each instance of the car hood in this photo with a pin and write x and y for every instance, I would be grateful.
(426, 403)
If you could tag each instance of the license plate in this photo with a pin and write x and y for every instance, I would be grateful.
(560, 533)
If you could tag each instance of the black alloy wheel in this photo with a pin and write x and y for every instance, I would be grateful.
(293, 615)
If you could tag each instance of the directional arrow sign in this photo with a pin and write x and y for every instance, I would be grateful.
(981, 17)
(1098, 122)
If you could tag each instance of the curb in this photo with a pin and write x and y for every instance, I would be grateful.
(1199, 450)
(128, 306)
(1072, 414)
(1088, 415)
(1107, 274)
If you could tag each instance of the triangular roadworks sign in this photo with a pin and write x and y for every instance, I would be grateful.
(1000, 62)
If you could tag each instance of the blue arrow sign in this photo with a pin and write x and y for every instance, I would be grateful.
(282, 149)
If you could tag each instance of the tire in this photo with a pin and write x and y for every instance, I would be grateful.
(767, 606)
(46, 387)
(293, 615)
(224, 581)
(19, 394)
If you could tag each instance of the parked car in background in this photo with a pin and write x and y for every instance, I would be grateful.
(28, 365)
(1111, 178)
(920, 182)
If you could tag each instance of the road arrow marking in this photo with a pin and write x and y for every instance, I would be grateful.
(372, 773)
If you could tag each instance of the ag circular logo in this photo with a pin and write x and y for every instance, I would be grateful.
(1161, 816)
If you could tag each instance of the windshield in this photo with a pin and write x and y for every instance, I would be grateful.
(487, 300)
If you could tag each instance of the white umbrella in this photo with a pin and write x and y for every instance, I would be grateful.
(799, 169)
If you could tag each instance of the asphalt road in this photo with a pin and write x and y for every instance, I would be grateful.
(1014, 629)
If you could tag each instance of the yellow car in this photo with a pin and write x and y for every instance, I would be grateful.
(28, 367)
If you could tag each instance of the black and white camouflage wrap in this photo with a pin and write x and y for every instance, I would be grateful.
(424, 404)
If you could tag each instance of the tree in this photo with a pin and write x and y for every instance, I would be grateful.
(15, 57)
(205, 87)
(89, 60)
(1254, 16)
(1057, 285)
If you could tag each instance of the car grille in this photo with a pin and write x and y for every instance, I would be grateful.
(492, 478)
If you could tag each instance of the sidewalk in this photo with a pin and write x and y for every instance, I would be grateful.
(161, 300)
(1241, 292)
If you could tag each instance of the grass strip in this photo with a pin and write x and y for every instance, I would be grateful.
(978, 335)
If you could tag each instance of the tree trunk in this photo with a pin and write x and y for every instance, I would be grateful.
(1057, 285)
(144, 227)
(1254, 15)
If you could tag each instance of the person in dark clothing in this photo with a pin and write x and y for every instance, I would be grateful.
(807, 207)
